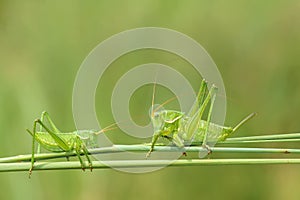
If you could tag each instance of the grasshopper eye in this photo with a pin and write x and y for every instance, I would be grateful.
(156, 115)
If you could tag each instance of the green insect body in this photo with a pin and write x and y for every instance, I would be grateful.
(88, 137)
(190, 129)
(177, 125)
(54, 140)
(215, 132)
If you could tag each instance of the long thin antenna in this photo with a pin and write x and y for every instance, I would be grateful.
(164, 103)
(153, 94)
(108, 128)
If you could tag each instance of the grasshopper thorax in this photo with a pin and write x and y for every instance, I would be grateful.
(166, 120)
(88, 137)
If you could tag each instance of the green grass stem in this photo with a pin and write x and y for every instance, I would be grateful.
(145, 148)
(13, 167)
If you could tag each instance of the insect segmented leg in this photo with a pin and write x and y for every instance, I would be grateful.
(195, 114)
(32, 148)
(80, 160)
(80, 148)
(194, 121)
(62, 144)
(46, 116)
(188, 129)
(85, 151)
(200, 98)
(213, 98)
(52, 125)
(154, 139)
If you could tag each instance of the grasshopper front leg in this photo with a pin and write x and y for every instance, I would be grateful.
(213, 98)
(80, 147)
(156, 135)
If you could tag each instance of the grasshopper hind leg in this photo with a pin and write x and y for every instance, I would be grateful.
(206, 131)
(46, 116)
(33, 145)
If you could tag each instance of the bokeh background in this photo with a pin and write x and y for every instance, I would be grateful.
(255, 44)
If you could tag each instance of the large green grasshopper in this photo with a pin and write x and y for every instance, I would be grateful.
(54, 140)
(190, 129)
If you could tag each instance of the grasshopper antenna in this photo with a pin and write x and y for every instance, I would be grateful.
(153, 95)
(108, 128)
(153, 99)
(164, 103)
(244, 121)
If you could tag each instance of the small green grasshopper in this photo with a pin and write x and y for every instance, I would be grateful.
(190, 129)
(54, 140)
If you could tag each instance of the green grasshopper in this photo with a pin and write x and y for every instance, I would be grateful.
(54, 140)
(190, 129)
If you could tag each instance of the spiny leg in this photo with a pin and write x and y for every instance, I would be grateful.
(46, 115)
(80, 160)
(80, 147)
(194, 121)
(200, 98)
(179, 143)
(56, 138)
(60, 141)
(41, 129)
(86, 153)
(33, 145)
(155, 135)
(154, 139)
(213, 98)
(52, 125)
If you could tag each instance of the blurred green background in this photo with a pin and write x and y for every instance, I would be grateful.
(255, 44)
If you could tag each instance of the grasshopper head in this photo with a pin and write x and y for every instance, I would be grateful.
(157, 120)
(88, 137)
(166, 120)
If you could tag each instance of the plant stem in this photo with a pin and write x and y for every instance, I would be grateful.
(274, 137)
(258, 141)
(145, 148)
(10, 167)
